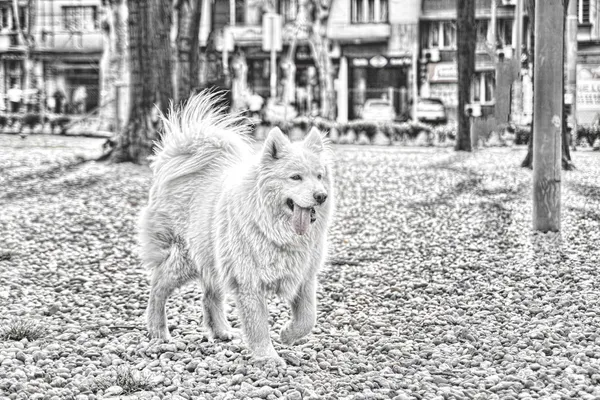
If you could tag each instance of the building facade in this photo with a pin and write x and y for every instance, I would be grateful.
(376, 44)
(496, 57)
(373, 44)
(588, 61)
(52, 53)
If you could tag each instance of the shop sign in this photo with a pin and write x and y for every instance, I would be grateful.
(588, 92)
(442, 72)
(401, 61)
(446, 92)
(378, 61)
(13, 56)
(360, 62)
(588, 87)
(303, 53)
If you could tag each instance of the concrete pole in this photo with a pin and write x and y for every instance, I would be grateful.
(117, 110)
(415, 74)
(571, 48)
(342, 94)
(517, 106)
(548, 114)
(273, 83)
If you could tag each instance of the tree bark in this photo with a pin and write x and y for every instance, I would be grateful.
(161, 17)
(566, 162)
(114, 64)
(466, 38)
(187, 60)
(549, 120)
(150, 84)
(320, 46)
(194, 34)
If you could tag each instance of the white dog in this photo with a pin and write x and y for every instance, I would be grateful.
(233, 220)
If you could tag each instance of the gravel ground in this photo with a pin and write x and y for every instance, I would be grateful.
(435, 289)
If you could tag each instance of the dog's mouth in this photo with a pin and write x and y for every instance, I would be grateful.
(302, 217)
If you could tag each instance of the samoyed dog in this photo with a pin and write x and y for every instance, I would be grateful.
(251, 224)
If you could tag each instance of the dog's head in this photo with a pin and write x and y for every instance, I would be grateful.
(296, 177)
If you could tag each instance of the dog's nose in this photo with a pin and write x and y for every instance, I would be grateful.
(320, 197)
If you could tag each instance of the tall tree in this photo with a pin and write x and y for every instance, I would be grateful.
(186, 27)
(150, 78)
(114, 64)
(321, 49)
(567, 163)
(25, 37)
(466, 37)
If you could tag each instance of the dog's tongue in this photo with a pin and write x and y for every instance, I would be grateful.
(301, 219)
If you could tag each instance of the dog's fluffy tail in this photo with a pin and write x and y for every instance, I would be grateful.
(199, 135)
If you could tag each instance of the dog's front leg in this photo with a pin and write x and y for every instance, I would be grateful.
(304, 313)
(254, 314)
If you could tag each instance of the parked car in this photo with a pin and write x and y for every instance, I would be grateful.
(378, 110)
(275, 111)
(432, 111)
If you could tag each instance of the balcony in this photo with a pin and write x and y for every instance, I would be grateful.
(9, 40)
(368, 32)
(67, 41)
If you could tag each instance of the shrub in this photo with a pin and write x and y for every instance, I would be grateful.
(130, 380)
(20, 329)
(31, 120)
(588, 132)
(522, 133)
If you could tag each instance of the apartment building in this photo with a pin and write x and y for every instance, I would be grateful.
(376, 44)
(588, 61)
(497, 40)
(373, 47)
(52, 51)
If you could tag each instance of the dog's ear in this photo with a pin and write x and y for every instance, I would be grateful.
(276, 145)
(314, 140)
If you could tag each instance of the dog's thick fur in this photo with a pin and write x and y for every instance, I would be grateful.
(236, 221)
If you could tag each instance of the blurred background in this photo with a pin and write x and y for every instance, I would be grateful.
(65, 64)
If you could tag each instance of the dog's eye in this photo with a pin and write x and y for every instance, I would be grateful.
(296, 178)
(319, 177)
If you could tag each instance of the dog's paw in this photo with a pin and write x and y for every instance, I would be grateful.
(266, 361)
(291, 334)
(227, 335)
(159, 334)
(287, 336)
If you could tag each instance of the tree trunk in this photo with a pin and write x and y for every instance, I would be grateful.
(25, 39)
(114, 65)
(194, 34)
(187, 27)
(161, 16)
(466, 68)
(150, 83)
(528, 161)
(567, 163)
(321, 53)
(549, 110)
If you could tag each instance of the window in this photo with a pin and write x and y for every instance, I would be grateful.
(80, 18)
(240, 12)
(481, 27)
(482, 91)
(288, 10)
(583, 11)
(441, 34)
(5, 18)
(368, 11)
(505, 31)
